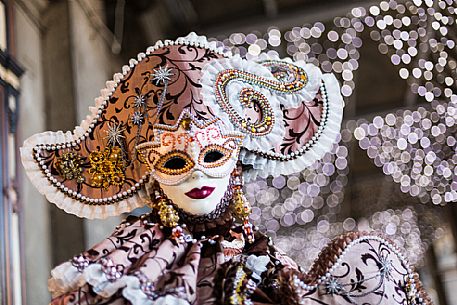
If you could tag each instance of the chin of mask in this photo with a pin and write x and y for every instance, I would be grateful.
(199, 194)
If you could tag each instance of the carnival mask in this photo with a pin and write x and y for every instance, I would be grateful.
(192, 162)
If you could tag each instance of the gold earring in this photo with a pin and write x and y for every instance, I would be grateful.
(167, 213)
(241, 206)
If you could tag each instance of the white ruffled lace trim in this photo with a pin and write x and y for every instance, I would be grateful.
(208, 80)
(66, 278)
(133, 292)
(95, 277)
(54, 194)
(263, 167)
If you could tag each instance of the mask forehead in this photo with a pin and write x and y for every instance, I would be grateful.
(189, 137)
(211, 134)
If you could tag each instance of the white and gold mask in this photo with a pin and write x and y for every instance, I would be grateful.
(192, 162)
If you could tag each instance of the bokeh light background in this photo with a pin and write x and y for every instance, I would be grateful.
(415, 147)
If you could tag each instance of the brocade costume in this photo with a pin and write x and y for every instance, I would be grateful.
(186, 112)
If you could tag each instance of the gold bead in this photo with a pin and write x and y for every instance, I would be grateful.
(185, 124)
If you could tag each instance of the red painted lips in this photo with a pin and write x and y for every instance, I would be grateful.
(200, 193)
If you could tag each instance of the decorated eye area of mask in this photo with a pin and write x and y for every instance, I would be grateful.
(188, 146)
(214, 156)
(178, 162)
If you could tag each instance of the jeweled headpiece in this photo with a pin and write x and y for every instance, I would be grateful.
(274, 116)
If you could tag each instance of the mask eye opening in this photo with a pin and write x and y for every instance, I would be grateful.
(175, 163)
(213, 156)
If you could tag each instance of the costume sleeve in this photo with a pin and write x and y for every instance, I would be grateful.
(135, 265)
(355, 268)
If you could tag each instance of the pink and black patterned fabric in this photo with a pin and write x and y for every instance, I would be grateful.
(137, 264)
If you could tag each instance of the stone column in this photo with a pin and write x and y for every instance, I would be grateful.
(32, 119)
(67, 233)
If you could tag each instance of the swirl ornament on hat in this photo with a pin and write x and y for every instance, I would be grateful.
(289, 113)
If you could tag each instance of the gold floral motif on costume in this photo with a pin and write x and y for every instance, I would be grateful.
(107, 167)
(241, 207)
(69, 166)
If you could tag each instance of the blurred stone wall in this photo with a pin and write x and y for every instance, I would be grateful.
(65, 49)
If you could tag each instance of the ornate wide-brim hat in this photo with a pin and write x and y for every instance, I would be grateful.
(289, 113)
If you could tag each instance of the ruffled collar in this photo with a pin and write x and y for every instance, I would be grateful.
(207, 227)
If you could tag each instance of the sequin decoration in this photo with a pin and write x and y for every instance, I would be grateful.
(287, 73)
(237, 296)
(107, 167)
(115, 134)
(255, 100)
(241, 207)
(190, 145)
(69, 166)
(111, 270)
(214, 155)
(80, 262)
(161, 75)
(296, 77)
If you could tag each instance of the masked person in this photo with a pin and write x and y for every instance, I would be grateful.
(179, 130)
